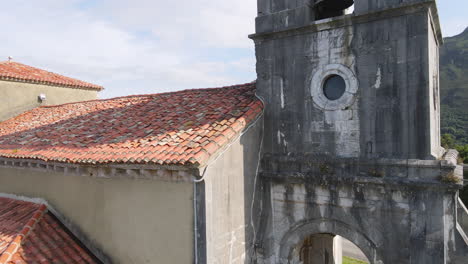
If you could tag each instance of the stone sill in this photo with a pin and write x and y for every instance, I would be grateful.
(333, 181)
(416, 170)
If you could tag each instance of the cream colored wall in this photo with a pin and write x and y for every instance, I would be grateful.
(17, 97)
(232, 209)
(132, 221)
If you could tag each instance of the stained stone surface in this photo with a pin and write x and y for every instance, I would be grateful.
(368, 166)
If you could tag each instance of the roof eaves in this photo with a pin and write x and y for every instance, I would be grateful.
(224, 141)
(23, 234)
(175, 173)
(25, 80)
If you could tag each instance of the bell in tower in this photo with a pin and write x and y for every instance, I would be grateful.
(330, 8)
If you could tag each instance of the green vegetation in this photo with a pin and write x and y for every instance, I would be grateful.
(454, 97)
(448, 142)
(454, 87)
(348, 260)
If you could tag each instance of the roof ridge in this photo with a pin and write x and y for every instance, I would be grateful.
(150, 94)
(23, 234)
(75, 83)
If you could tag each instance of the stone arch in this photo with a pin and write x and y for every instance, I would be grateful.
(301, 231)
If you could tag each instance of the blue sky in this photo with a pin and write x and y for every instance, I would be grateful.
(453, 16)
(147, 46)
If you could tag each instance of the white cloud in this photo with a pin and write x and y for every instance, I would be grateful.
(142, 47)
(454, 26)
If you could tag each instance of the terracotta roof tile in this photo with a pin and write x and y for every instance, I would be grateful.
(178, 128)
(30, 234)
(14, 71)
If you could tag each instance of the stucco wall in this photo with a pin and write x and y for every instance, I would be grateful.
(232, 211)
(17, 97)
(131, 221)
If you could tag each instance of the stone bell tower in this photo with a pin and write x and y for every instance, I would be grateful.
(352, 140)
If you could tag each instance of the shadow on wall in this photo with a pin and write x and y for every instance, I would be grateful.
(253, 189)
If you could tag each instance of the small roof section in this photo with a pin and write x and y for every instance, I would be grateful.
(177, 128)
(30, 234)
(18, 72)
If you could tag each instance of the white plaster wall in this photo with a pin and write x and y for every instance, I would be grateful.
(18, 97)
(230, 182)
(130, 220)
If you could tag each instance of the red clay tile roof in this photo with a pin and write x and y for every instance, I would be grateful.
(178, 128)
(14, 71)
(30, 234)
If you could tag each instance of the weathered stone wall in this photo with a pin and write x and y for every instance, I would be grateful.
(387, 114)
(232, 191)
(364, 166)
(365, 6)
(434, 91)
(397, 223)
(362, 6)
(395, 211)
(18, 97)
(128, 220)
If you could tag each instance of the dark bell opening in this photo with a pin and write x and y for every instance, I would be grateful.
(334, 87)
(331, 8)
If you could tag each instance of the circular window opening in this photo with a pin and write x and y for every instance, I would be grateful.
(334, 87)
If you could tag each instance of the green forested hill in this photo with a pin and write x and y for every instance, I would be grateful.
(454, 87)
(454, 97)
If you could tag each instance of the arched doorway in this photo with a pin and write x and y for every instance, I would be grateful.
(321, 242)
(352, 254)
(328, 249)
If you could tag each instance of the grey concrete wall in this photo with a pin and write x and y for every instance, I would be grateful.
(365, 6)
(272, 6)
(390, 225)
(389, 58)
(232, 191)
(434, 91)
(18, 97)
(130, 220)
(301, 12)
(364, 166)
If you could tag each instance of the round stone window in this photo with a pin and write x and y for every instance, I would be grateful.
(333, 87)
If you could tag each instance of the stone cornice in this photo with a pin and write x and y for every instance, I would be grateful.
(349, 20)
(330, 180)
(18, 80)
(383, 171)
(148, 172)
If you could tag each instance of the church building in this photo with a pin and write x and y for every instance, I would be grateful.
(339, 137)
(23, 88)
